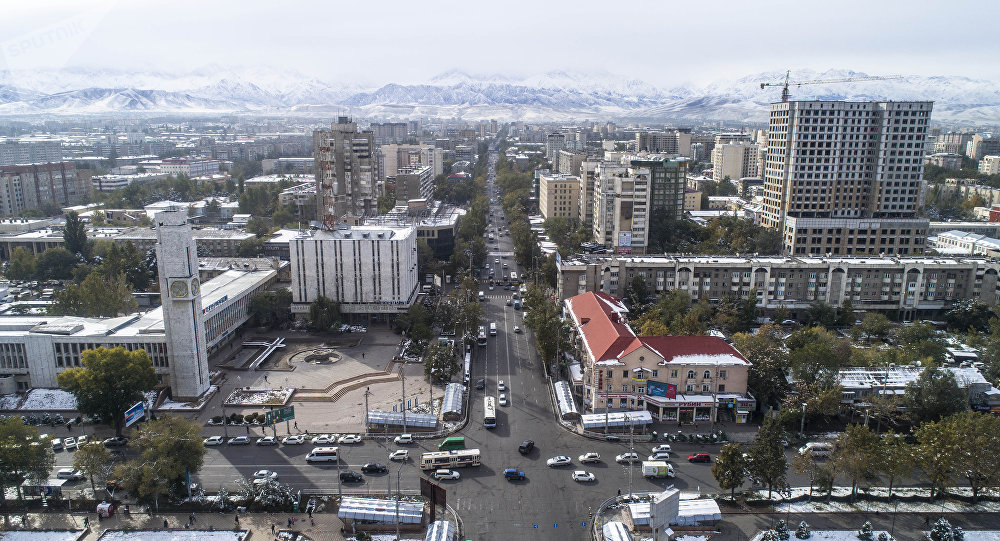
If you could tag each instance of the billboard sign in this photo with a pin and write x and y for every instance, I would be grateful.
(663, 390)
(279, 415)
(135, 414)
(625, 238)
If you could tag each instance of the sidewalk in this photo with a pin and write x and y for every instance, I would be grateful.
(327, 525)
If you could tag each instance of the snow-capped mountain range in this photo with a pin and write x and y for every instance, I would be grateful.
(555, 95)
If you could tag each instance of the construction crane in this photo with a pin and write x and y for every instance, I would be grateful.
(784, 86)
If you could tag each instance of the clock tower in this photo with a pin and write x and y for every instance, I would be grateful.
(180, 293)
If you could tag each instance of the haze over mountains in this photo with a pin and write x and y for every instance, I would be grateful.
(555, 95)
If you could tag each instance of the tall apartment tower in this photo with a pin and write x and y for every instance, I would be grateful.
(180, 293)
(845, 177)
(345, 169)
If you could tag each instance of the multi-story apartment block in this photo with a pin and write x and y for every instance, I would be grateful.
(559, 196)
(32, 186)
(682, 379)
(554, 142)
(346, 187)
(989, 165)
(980, 146)
(389, 132)
(192, 167)
(392, 157)
(627, 193)
(945, 160)
(588, 171)
(846, 177)
(952, 143)
(568, 162)
(302, 197)
(17, 152)
(414, 182)
(734, 161)
(676, 142)
(906, 288)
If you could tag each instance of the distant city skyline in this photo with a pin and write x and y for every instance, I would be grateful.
(365, 44)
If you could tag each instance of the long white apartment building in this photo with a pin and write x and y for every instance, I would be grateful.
(369, 269)
(906, 288)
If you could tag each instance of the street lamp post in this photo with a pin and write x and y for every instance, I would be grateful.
(802, 425)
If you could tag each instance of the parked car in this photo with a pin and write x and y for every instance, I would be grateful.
(214, 440)
(261, 477)
(627, 458)
(513, 474)
(699, 457)
(70, 474)
(446, 474)
(661, 448)
(349, 438)
(374, 467)
(57, 444)
(69, 443)
(526, 447)
(239, 440)
(81, 441)
(399, 454)
(583, 476)
(560, 460)
(267, 440)
(403, 439)
(324, 439)
(349, 476)
(590, 457)
(297, 439)
(117, 441)
(662, 455)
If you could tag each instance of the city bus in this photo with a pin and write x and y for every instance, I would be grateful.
(451, 443)
(482, 336)
(450, 459)
(490, 412)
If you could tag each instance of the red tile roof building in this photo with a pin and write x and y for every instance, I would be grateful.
(683, 379)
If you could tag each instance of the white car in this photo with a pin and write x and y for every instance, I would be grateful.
(503, 399)
(517, 330)
(497, 260)
(81, 441)
(501, 386)
(69, 474)
(403, 439)
(662, 455)
(214, 440)
(664, 448)
(446, 474)
(324, 439)
(239, 440)
(57, 444)
(267, 440)
(590, 457)
(69, 443)
(399, 454)
(263, 476)
(297, 439)
(583, 476)
(560, 460)
(349, 438)
(627, 458)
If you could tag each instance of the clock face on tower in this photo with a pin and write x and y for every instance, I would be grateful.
(179, 288)
(195, 287)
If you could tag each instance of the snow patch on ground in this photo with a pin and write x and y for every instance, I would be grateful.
(189, 406)
(258, 397)
(30, 535)
(185, 535)
(49, 400)
(9, 401)
(819, 505)
(982, 535)
(831, 535)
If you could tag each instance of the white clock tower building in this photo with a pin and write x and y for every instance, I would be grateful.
(180, 293)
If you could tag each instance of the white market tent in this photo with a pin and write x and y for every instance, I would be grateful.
(417, 420)
(454, 400)
(441, 530)
(567, 407)
(616, 531)
(690, 513)
(374, 510)
(619, 419)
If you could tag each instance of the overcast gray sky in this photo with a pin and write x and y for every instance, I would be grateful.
(377, 41)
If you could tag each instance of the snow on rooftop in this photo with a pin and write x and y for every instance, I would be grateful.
(49, 399)
(33, 535)
(712, 360)
(178, 535)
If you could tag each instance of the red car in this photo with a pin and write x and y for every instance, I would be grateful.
(699, 457)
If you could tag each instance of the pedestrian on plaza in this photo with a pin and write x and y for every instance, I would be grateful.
(165, 525)
(248, 429)
(296, 425)
(311, 521)
(272, 528)
(619, 492)
(289, 522)
(362, 354)
(86, 522)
